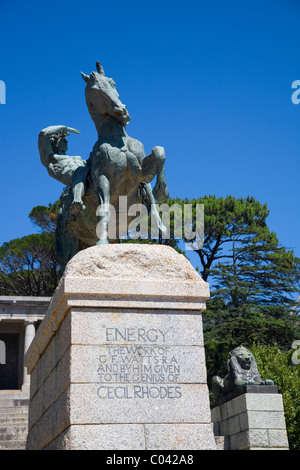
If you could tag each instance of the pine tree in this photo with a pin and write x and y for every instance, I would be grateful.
(28, 265)
(254, 282)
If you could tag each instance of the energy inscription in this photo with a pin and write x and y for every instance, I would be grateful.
(133, 370)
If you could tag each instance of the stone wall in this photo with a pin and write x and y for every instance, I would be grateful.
(252, 421)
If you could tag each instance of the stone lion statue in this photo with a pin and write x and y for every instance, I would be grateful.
(242, 370)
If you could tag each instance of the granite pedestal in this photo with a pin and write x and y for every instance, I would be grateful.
(118, 361)
(251, 418)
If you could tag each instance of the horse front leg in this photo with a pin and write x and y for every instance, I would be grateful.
(148, 198)
(154, 164)
(103, 211)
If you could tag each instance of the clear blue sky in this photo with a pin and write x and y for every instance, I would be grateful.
(209, 81)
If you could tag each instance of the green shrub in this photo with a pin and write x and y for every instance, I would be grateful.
(276, 365)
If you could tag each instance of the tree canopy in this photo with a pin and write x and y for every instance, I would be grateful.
(28, 265)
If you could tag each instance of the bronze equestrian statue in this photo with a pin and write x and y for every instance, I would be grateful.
(117, 166)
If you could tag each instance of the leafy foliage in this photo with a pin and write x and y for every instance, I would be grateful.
(28, 265)
(45, 217)
(274, 364)
(222, 218)
(253, 280)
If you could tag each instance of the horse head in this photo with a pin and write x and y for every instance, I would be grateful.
(102, 97)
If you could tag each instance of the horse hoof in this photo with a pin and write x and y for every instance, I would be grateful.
(161, 193)
(102, 242)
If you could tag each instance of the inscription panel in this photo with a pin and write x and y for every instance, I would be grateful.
(127, 369)
(138, 357)
(151, 403)
(92, 364)
(109, 327)
(151, 362)
(139, 364)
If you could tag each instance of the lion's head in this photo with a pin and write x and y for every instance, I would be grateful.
(243, 361)
(242, 370)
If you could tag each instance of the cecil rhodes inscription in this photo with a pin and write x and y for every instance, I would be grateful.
(134, 371)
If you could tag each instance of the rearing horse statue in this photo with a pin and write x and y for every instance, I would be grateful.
(117, 166)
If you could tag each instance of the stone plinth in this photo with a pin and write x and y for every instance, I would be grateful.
(252, 421)
(118, 361)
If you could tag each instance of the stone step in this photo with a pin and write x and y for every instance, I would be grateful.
(222, 443)
(13, 420)
(21, 418)
(9, 437)
(12, 402)
(13, 432)
(13, 445)
(12, 395)
(12, 410)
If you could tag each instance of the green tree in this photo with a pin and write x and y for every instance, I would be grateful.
(28, 265)
(45, 217)
(253, 280)
(275, 364)
(256, 289)
(225, 219)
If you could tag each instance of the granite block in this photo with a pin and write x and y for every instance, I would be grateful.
(135, 364)
(100, 437)
(266, 420)
(179, 437)
(278, 438)
(149, 403)
(113, 326)
(258, 438)
(240, 441)
(264, 402)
